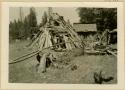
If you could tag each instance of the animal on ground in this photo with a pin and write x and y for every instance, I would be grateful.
(99, 78)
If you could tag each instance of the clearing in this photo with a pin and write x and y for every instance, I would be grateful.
(25, 71)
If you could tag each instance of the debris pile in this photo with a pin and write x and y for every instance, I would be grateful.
(56, 34)
(58, 60)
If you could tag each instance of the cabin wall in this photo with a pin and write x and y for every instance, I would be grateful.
(88, 38)
(86, 35)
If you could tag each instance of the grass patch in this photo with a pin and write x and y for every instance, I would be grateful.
(25, 71)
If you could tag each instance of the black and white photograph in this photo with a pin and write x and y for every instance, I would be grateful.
(63, 45)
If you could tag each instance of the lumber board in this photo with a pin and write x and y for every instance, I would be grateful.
(42, 43)
(73, 34)
(49, 40)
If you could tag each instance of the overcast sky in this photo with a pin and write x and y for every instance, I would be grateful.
(68, 13)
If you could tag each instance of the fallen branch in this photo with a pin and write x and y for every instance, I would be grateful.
(111, 52)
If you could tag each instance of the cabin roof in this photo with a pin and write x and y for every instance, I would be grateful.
(85, 27)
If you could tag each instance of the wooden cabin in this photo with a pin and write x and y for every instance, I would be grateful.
(85, 30)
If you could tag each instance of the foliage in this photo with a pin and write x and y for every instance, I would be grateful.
(105, 18)
(32, 18)
(22, 29)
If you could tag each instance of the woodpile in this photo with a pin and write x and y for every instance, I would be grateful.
(50, 37)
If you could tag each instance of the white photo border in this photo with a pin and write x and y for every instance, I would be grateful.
(5, 46)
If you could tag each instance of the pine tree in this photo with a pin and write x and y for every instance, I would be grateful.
(44, 19)
(105, 18)
(32, 19)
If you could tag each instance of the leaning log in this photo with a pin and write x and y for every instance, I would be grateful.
(42, 65)
(111, 53)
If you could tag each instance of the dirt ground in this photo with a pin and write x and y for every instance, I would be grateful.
(86, 65)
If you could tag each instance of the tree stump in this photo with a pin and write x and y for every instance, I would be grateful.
(42, 65)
